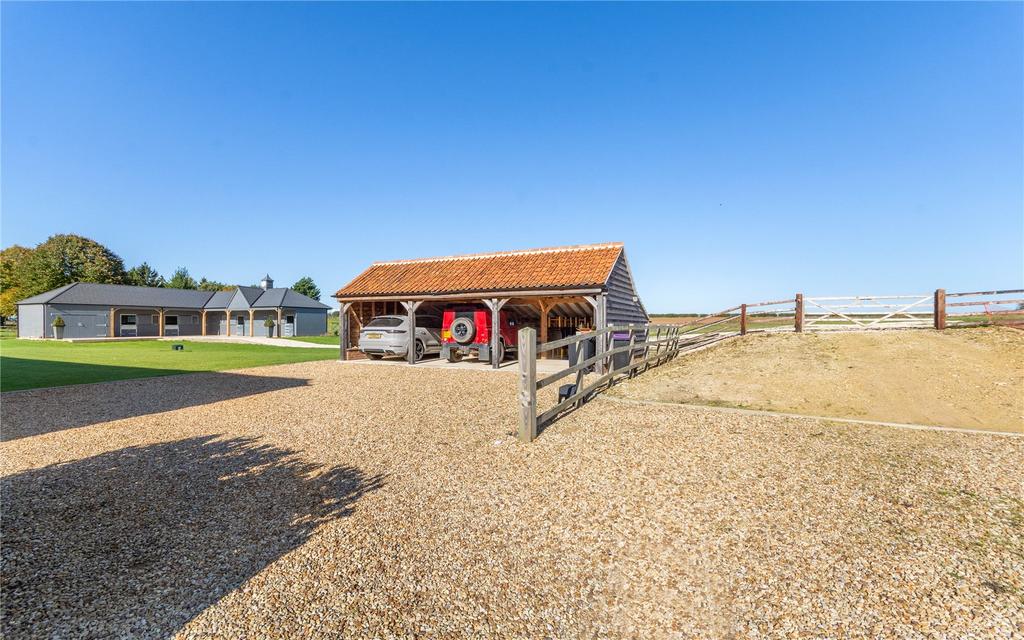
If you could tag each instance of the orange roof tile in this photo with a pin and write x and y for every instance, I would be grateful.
(579, 266)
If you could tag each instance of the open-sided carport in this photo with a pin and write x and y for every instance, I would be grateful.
(557, 290)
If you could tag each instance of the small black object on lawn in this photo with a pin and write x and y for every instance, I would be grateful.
(178, 347)
(565, 391)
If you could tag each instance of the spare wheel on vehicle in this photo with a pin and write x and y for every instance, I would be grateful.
(463, 330)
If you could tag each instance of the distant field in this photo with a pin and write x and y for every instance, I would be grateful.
(30, 364)
(972, 378)
(753, 322)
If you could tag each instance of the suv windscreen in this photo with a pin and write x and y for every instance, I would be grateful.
(385, 322)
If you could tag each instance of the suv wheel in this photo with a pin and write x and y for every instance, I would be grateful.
(420, 350)
(501, 350)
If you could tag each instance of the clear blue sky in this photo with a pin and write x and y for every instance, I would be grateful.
(740, 151)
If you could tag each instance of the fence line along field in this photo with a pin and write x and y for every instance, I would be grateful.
(624, 352)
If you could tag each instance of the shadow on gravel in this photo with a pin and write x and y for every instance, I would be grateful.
(138, 541)
(38, 411)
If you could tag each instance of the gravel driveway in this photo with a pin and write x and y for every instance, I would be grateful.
(341, 500)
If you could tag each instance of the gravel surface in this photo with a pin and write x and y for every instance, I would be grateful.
(352, 501)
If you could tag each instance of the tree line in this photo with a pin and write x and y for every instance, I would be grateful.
(67, 258)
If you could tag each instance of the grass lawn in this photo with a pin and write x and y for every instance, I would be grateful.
(331, 340)
(29, 364)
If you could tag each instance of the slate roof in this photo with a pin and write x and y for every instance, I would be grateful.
(579, 266)
(282, 297)
(119, 295)
(251, 294)
(220, 299)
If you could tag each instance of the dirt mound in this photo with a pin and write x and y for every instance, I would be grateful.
(971, 378)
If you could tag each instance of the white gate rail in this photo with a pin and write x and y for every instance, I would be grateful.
(868, 312)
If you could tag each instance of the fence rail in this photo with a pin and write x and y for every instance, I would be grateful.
(645, 346)
(624, 351)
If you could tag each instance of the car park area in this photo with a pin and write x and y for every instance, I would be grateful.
(330, 499)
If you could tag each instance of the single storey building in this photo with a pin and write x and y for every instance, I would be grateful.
(91, 310)
(557, 290)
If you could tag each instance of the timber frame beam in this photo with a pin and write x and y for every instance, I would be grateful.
(495, 305)
(343, 337)
(410, 308)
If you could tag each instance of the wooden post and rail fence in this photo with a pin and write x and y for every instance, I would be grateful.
(618, 352)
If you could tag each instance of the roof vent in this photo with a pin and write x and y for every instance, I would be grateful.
(267, 282)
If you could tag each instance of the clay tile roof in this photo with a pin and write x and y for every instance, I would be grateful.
(579, 266)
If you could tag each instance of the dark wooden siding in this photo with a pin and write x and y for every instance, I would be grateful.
(622, 309)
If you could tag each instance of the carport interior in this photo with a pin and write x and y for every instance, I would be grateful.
(564, 315)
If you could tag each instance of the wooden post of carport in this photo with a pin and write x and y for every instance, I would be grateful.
(227, 322)
(252, 322)
(343, 331)
(203, 328)
(410, 307)
(545, 308)
(280, 317)
(495, 305)
(161, 325)
(113, 316)
(600, 305)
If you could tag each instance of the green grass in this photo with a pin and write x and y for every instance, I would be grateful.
(31, 364)
(331, 340)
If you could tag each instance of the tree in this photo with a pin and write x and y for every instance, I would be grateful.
(145, 276)
(68, 258)
(213, 285)
(12, 278)
(307, 287)
(182, 280)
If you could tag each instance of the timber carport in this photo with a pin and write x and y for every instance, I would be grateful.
(557, 290)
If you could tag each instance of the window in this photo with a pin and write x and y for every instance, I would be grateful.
(290, 319)
(240, 320)
(128, 319)
(382, 321)
(428, 322)
(171, 320)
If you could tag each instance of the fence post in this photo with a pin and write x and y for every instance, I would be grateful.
(527, 355)
(798, 320)
(743, 319)
(940, 309)
(632, 349)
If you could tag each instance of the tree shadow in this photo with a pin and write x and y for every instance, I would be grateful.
(38, 411)
(136, 542)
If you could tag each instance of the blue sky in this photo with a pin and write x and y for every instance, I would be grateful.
(742, 152)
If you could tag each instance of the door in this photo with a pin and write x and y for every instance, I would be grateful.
(239, 325)
(289, 326)
(82, 325)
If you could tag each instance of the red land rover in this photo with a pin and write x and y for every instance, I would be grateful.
(467, 328)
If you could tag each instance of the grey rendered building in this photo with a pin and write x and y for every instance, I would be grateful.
(92, 310)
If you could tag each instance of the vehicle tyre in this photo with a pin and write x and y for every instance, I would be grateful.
(463, 330)
(420, 350)
(374, 356)
(454, 356)
(501, 350)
